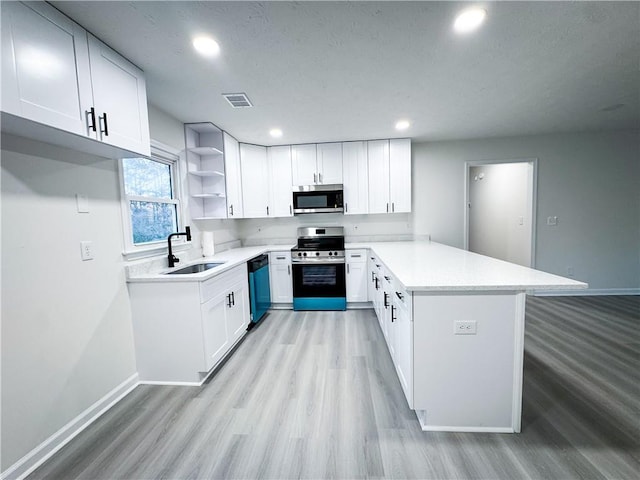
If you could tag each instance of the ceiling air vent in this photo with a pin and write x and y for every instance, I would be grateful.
(238, 100)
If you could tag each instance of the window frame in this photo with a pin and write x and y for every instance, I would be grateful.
(167, 155)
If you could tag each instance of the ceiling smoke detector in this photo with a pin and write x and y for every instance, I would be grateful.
(238, 100)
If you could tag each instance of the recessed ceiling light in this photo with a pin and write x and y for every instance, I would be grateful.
(206, 46)
(469, 19)
(402, 124)
(275, 132)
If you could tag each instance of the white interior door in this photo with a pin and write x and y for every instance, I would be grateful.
(500, 211)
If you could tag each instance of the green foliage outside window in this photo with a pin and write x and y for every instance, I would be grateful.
(148, 186)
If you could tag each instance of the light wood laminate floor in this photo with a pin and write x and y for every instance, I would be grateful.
(315, 395)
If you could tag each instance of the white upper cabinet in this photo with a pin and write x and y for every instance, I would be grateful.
(400, 175)
(304, 164)
(255, 181)
(319, 164)
(355, 178)
(266, 181)
(57, 75)
(378, 161)
(280, 192)
(329, 163)
(233, 176)
(389, 163)
(45, 67)
(119, 98)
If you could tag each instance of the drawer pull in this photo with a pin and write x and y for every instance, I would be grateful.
(355, 255)
(281, 258)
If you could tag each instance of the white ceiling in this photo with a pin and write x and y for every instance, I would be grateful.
(324, 71)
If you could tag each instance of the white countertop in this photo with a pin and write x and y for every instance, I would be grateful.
(418, 265)
(428, 266)
(232, 258)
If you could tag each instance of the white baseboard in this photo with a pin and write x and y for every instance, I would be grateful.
(587, 292)
(55, 442)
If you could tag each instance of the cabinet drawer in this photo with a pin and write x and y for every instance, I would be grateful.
(209, 288)
(356, 256)
(401, 295)
(280, 257)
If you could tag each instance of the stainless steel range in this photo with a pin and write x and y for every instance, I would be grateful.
(318, 262)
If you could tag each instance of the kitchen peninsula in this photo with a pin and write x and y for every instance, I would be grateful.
(453, 321)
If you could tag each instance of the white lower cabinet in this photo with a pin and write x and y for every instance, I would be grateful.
(280, 278)
(184, 329)
(393, 307)
(357, 285)
(402, 339)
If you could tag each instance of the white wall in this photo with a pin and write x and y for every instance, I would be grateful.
(500, 211)
(66, 324)
(357, 228)
(590, 181)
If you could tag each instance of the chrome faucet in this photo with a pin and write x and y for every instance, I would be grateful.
(172, 258)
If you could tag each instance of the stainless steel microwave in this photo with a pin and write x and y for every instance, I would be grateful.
(318, 199)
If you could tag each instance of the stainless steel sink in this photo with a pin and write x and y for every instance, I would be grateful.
(195, 268)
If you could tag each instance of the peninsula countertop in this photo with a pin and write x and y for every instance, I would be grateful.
(429, 266)
(419, 265)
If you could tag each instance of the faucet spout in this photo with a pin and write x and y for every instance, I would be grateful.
(172, 259)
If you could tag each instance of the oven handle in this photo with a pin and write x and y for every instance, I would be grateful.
(319, 261)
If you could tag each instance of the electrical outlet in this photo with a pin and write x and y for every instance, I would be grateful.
(552, 221)
(86, 250)
(465, 327)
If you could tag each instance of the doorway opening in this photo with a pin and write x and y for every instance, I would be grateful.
(500, 200)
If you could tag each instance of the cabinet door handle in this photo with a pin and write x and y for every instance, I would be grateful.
(290, 210)
(377, 284)
(267, 211)
(373, 276)
(399, 295)
(233, 298)
(315, 178)
(387, 208)
(231, 210)
(386, 300)
(106, 125)
(347, 268)
(355, 255)
(393, 207)
(393, 318)
(319, 178)
(289, 269)
(346, 207)
(281, 258)
(229, 300)
(91, 115)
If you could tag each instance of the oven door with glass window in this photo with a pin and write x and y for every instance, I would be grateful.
(319, 286)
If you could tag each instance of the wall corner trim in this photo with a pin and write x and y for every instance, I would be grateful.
(68, 432)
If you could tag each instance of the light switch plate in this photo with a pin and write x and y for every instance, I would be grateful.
(82, 202)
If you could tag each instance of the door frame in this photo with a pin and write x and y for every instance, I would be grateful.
(533, 199)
